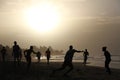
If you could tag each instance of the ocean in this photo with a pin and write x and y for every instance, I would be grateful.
(92, 61)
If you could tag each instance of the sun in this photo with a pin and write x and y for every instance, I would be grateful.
(43, 17)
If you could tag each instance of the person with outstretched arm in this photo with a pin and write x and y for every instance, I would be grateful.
(68, 60)
(27, 54)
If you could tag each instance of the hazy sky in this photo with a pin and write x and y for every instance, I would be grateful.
(84, 23)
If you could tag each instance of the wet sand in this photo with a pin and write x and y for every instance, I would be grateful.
(43, 71)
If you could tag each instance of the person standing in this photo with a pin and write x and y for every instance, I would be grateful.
(48, 55)
(3, 51)
(38, 55)
(85, 54)
(107, 59)
(67, 60)
(16, 53)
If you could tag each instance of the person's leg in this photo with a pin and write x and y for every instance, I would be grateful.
(47, 59)
(108, 68)
(106, 65)
(38, 59)
(18, 60)
(71, 68)
(29, 63)
(85, 60)
(59, 69)
(14, 61)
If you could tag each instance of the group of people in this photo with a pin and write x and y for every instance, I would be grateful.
(69, 57)
(28, 52)
(17, 54)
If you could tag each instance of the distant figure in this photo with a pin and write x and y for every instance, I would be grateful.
(48, 53)
(68, 60)
(107, 59)
(38, 55)
(27, 54)
(85, 54)
(3, 51)
(16, 53)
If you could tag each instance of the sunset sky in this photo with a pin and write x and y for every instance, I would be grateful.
(87, 24)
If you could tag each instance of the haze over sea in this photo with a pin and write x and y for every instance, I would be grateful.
(92, 60)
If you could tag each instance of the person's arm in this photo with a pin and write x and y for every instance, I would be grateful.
(78, 51)
(34, 52)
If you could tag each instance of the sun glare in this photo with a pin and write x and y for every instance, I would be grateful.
(43, 17)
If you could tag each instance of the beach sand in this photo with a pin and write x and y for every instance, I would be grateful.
(43, 71)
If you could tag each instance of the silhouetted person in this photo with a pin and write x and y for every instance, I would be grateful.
(3, 51)
(85, 54)
(68, 60)
(107, 59)
(38, 55)
(27, 54)
(48, 54)
(16, 53)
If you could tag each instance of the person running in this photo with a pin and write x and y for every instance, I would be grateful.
(107, 59)
(38, 55)
(16, 53)
(27, 54)
(48, 54)
(85, 54)
(3, 51)
(67, 60)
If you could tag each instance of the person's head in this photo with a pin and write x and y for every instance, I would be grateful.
(31, 47)
(70, 47)
(48, 49)
(85, 49)
(3, 47)
(104, 48)
(15, 42)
